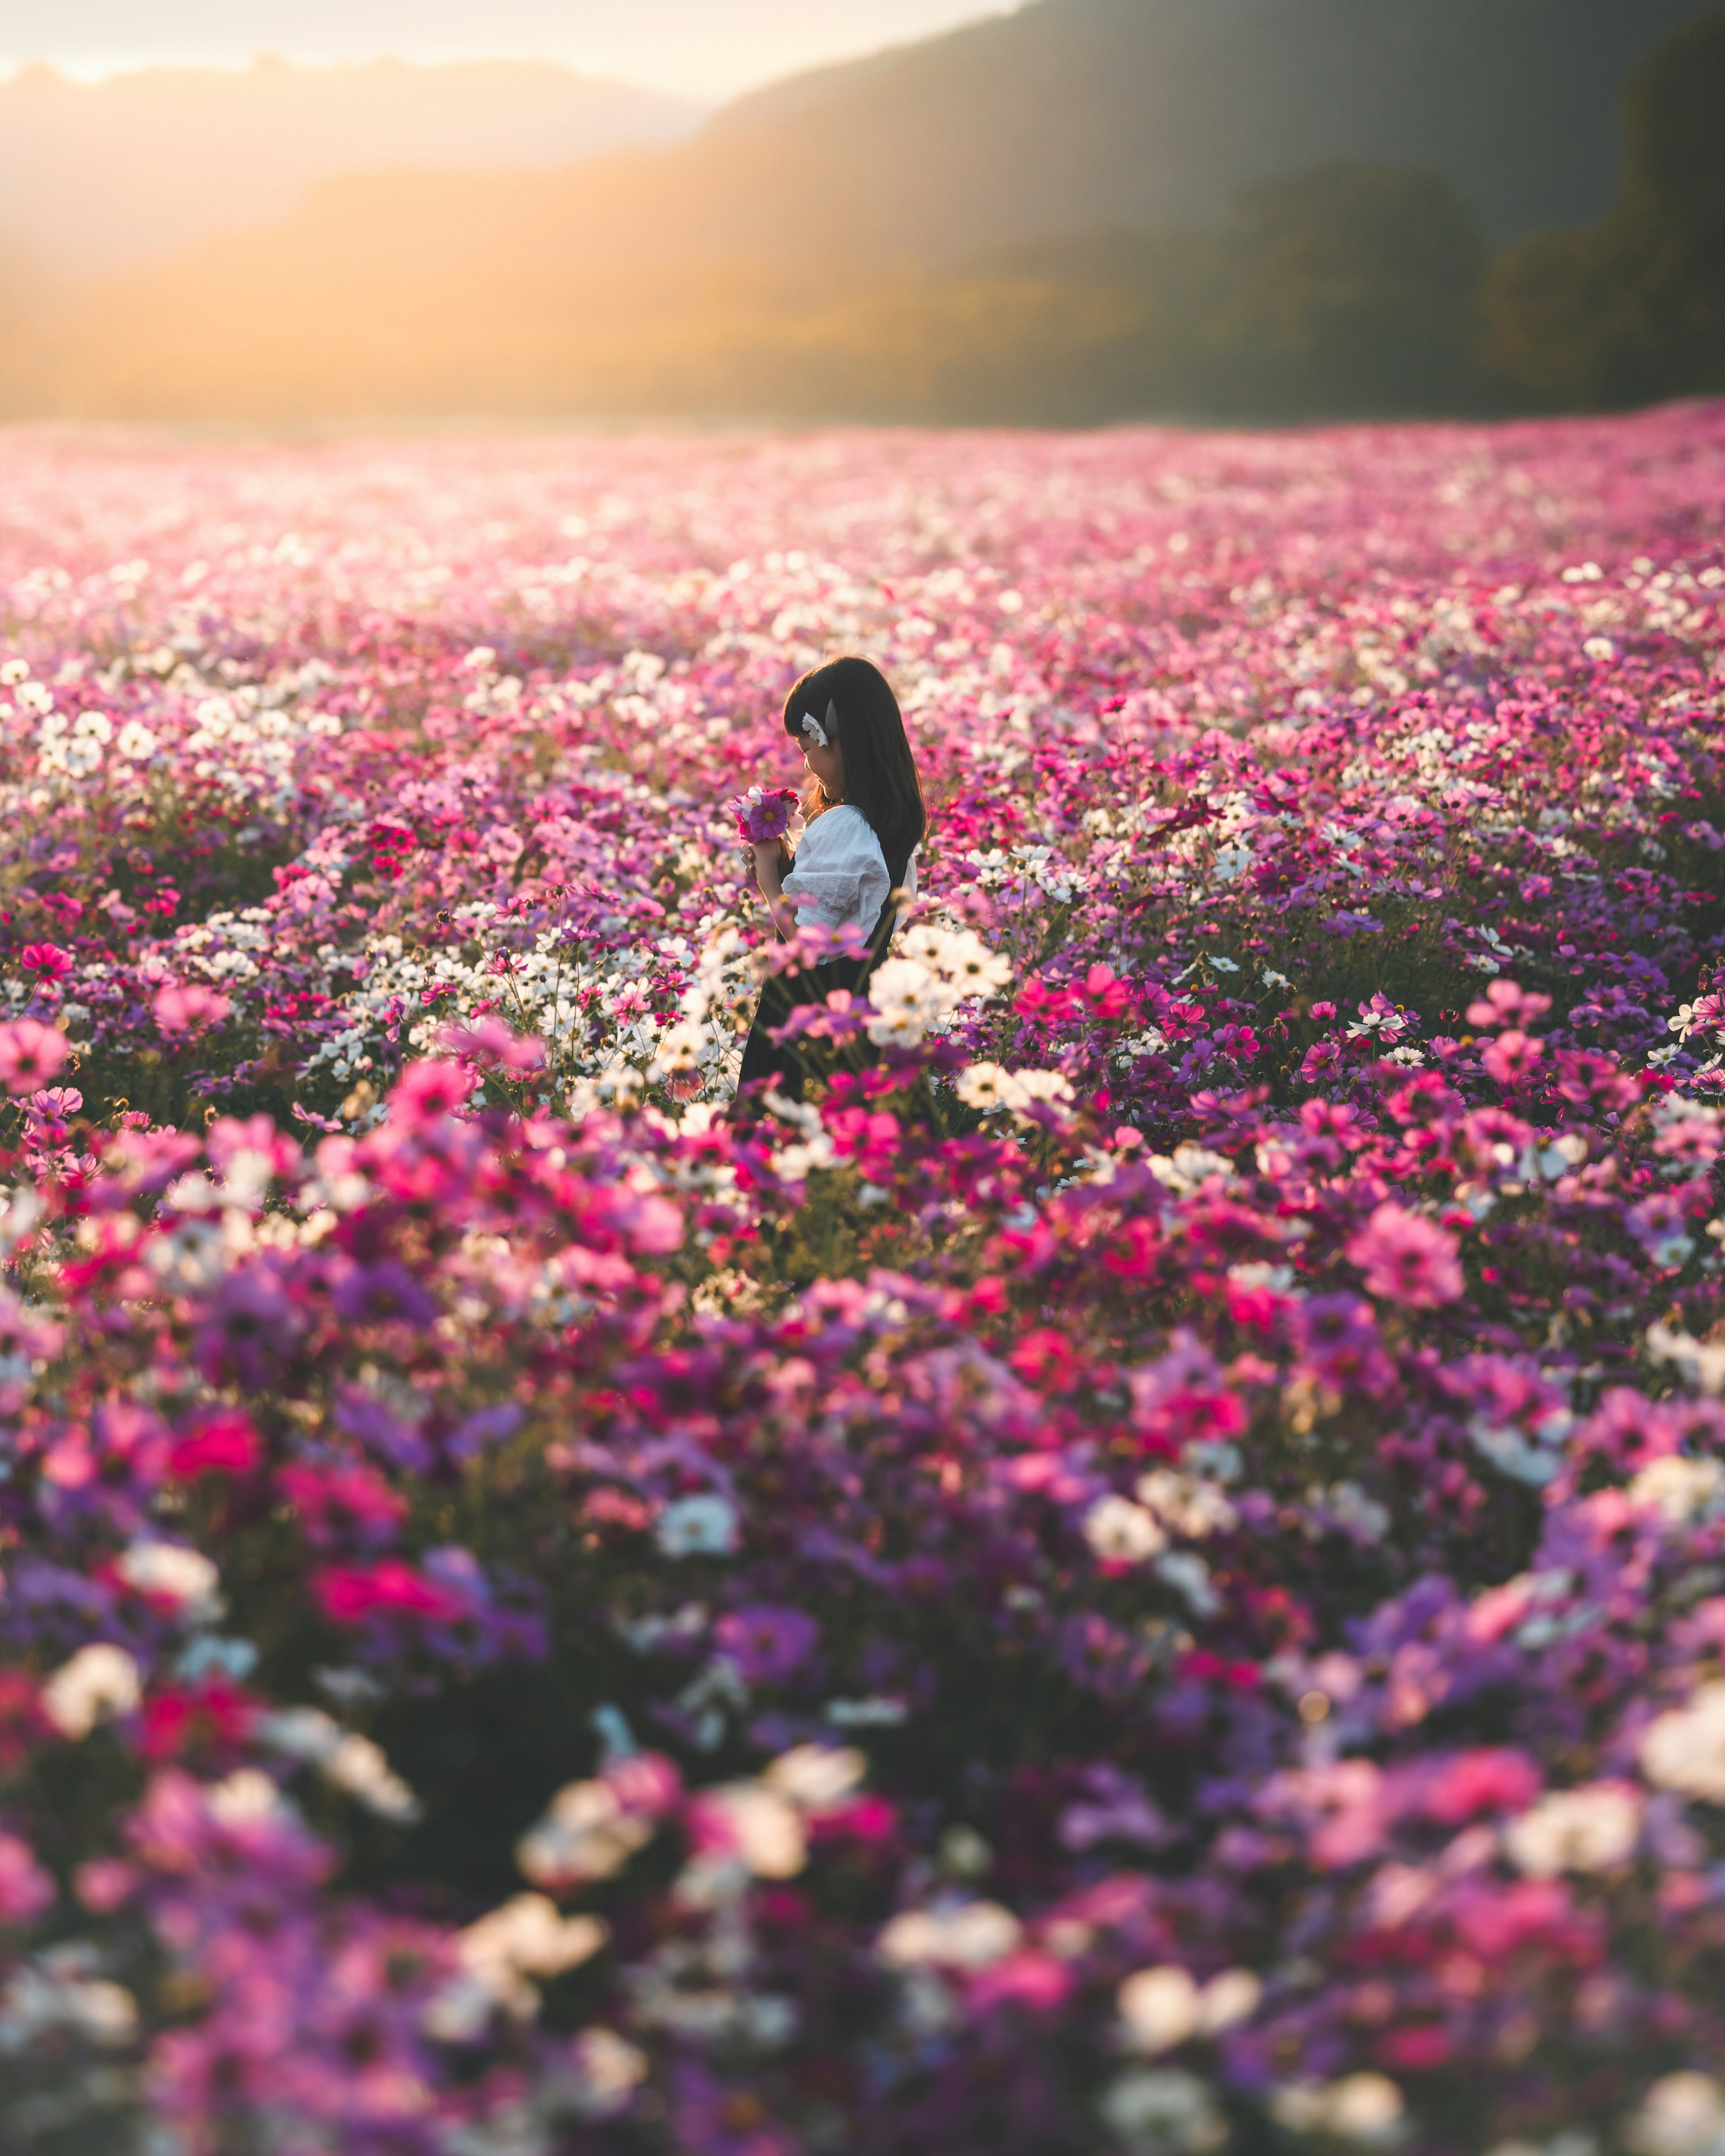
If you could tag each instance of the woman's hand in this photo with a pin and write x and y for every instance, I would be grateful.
(769, 875)
(769, 866)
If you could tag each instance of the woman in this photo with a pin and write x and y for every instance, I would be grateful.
(864, 819)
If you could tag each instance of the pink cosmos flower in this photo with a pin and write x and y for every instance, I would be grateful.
(225, 1445)
(763, 815)
(26, 1890)
(426, 1092)
(1489, 1779)
(47, 959)
(192, 1009)
(31, 1054)
(349, 1594)
(1512, 1056)
(1504, 1004)
(489, 1040)
(1407, 1259)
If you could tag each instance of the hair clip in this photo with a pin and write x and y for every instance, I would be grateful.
(815, 731)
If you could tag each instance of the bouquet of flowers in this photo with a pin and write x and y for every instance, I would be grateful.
(764, 814)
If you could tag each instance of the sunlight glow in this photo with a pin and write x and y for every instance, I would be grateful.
(709, 50)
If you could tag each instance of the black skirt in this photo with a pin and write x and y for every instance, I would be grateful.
(791, 1064)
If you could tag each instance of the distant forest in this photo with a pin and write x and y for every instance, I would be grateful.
(1357, 286)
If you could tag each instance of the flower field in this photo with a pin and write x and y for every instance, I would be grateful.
(1144, 1573)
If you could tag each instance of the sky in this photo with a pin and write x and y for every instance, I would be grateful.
(704, 48)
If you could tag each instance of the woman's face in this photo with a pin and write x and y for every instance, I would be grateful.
(826, 765)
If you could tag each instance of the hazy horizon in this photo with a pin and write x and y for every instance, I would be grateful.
(708, 49)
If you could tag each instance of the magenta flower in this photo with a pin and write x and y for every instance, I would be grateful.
(47, 959)
(763, 814)
(225, 1444)
(384, 1293)
(426, 1092)
(1504, 1004)
(31, 1054)
(190, 1010)
(489, 1041)
(1512, 1057)
(26, 1890)
(1407, 1259)
(349, 1596)
(767, 1640)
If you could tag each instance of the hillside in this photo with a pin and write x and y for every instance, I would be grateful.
(1076, 113)
(98, 175)
(915, 235)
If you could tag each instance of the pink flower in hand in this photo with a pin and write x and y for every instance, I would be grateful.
(1407, 1259)
(763, 817)
(191, 1009)
(30, 1054)
(47, 959)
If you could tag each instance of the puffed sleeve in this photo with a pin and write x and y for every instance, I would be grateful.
(840, 874)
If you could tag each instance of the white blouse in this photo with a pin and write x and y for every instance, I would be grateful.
(840, 874)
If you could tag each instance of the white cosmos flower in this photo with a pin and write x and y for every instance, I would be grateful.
(585, 1833)
(1679, 1488)
(1159, 2008)
(1368, 2109)
(817, 1776)
(1186, 1572)
(970, 1935)
(680, 1048)
(1121, 1533)
(525, 1937)
(192, 1253)
(963, 961)
(1595, 1828)
(765, 1828)
(604, 2070)
(1685, 1749)
(167, 1570)
(136, 741)
(1187, 1504)
(99, 1682)
(1164, 2112)
(529, 1936)
(1162, 2007)
(927, 943)
(1682, 2115)
(359, 1767)
(697, 1526)
(1047, 1086)
(347, 1760)
(989, 1086)
(907, 998)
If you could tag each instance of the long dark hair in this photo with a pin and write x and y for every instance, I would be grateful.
(879, 771)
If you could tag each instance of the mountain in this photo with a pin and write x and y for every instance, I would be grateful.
(1078, 113)
(94, 175)
(1087, 209)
